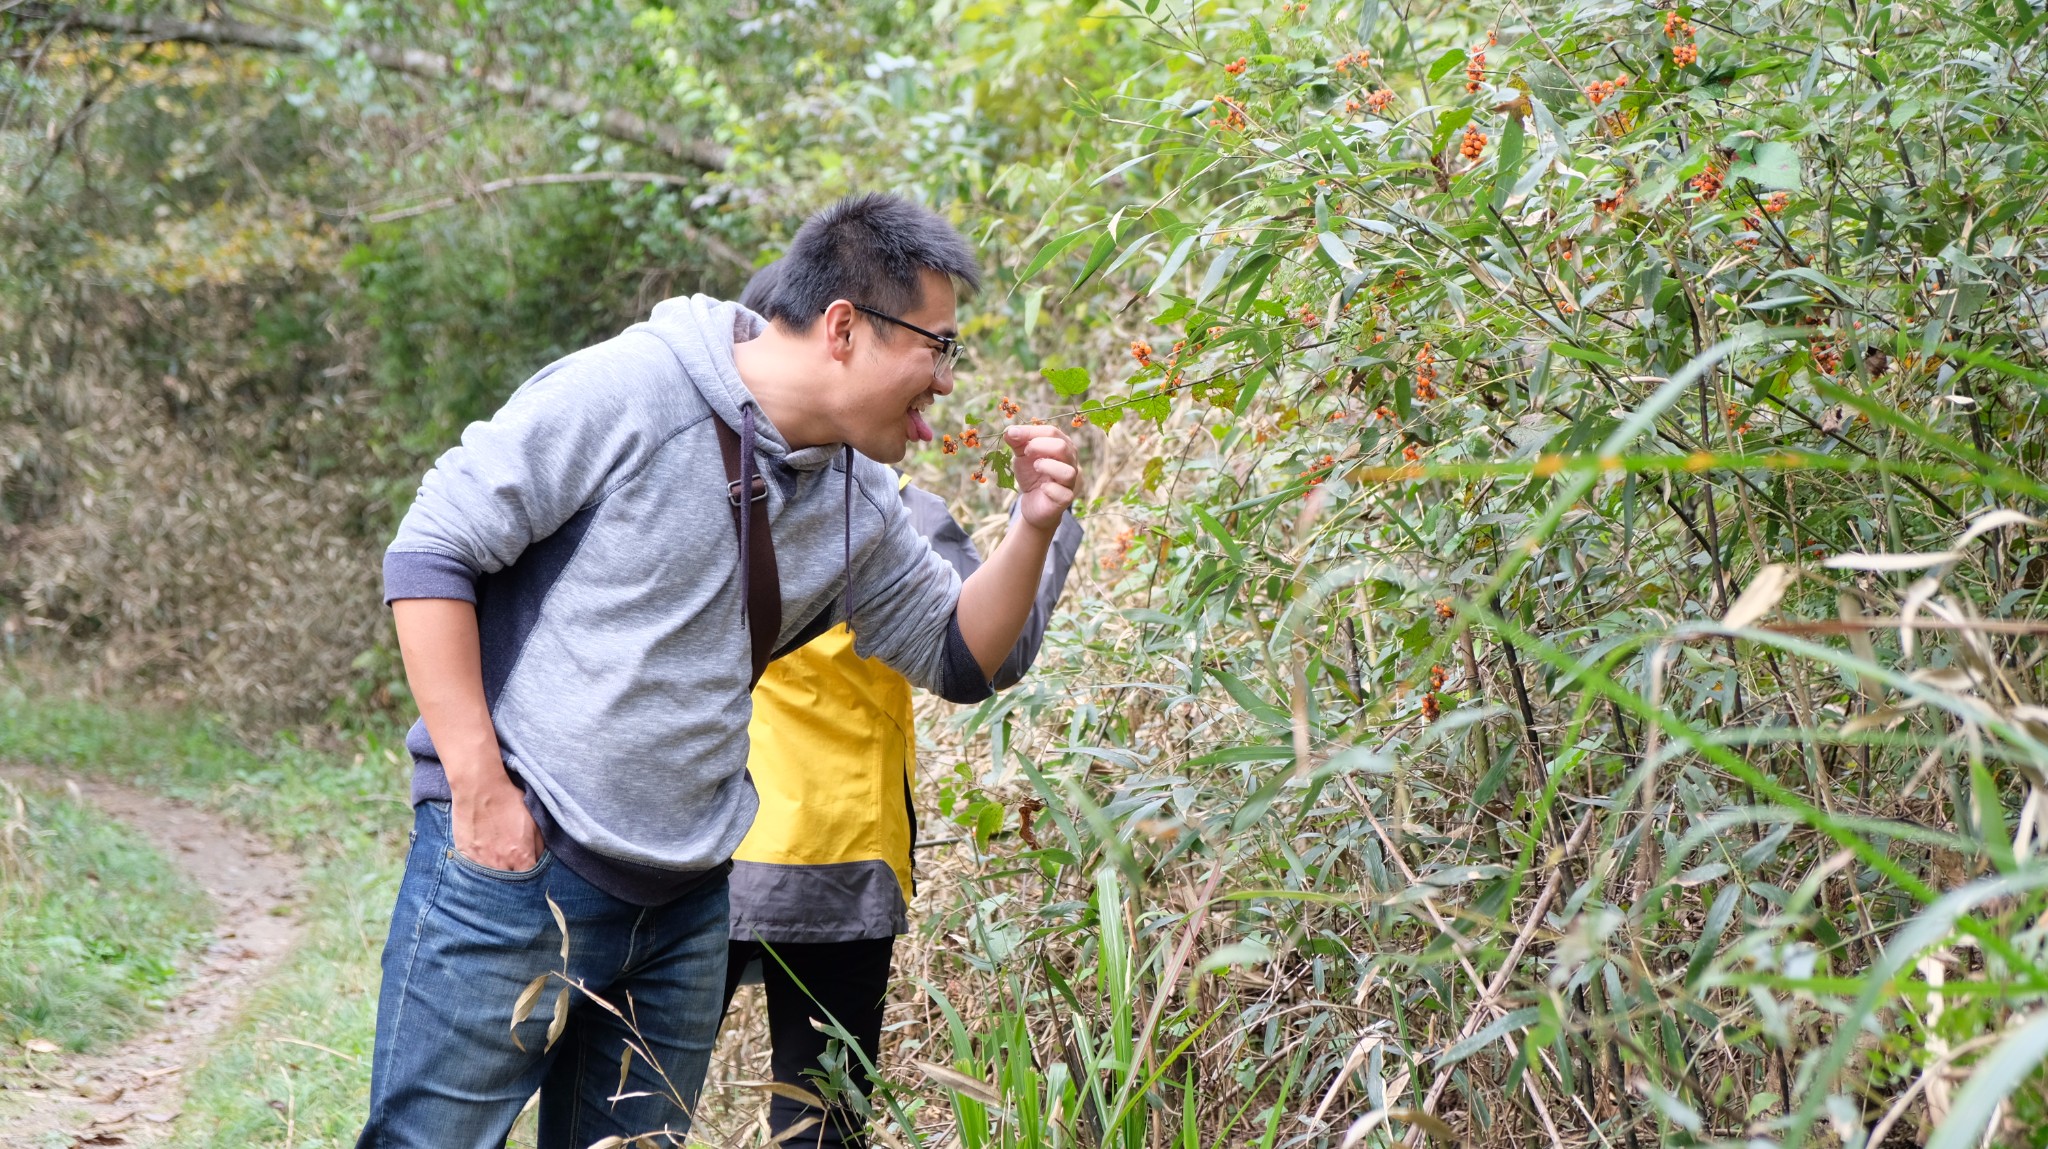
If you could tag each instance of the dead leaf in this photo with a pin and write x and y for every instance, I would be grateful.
(960, 1083)
(523, 1008)
(1910, 562)
(560, 1021)
(561, 923)
(1991, 521)
(796, 1093)
(39, 1045)
(1761, 596)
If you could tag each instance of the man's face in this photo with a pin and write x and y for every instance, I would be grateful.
(891, 379)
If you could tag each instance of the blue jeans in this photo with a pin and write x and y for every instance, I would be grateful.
(466, 939)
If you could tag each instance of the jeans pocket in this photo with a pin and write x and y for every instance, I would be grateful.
(540, 865)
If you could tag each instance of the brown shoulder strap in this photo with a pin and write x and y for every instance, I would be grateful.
(762, 580)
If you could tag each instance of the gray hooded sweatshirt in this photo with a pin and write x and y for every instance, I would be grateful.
(588, 522)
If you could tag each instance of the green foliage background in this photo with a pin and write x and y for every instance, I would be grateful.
(1560, 657)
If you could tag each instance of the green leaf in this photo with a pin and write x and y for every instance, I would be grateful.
(1452, 58)
(1336, 249)
(1105, 246)
(1773, 165)
(1508, 161)
(999, 466)
(1493, 1031)
(1155, 406)
(1050, 252)
(1234, 954)
(1068, 381)
(1586, 355)
(1101, 416)
(1447, 126)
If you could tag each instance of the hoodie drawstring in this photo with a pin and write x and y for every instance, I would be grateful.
(846, 601)
(746, 509)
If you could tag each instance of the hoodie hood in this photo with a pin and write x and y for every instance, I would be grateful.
(702, 332)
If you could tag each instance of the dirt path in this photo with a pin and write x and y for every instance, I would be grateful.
(131, 1094)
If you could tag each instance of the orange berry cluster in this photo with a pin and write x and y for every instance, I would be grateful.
(1351, 107)
(1708, 182)
(1680, 30)
(1755, 225)
(1425, 374)
(1431, 708)
(1320, 470)
(1358, 59)
(1233, 117)
(1142, 352)
(1383, 412)
(948, 446)
(1078, 420)
(1236, 69)
(1379, 100)
(1600, 91)
(1474, 143)
(1437, 678)
(1309, 318)
(1124, 539)
(1475, 70)
(1411, 452)
(1827, 354)
(1444, 610)
(1778, 202)
(1008, 407)
(1733, 413)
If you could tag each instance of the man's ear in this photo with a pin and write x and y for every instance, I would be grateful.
(836, 327)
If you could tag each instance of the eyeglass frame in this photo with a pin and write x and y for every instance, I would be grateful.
(950, 349)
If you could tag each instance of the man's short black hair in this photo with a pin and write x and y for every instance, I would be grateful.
(754, 297)
(868, 249)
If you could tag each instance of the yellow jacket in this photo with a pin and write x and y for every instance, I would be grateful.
(833, 759)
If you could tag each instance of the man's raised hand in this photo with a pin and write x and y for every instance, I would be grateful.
(1047, 471)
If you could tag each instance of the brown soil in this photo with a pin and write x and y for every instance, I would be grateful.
(132, 1094)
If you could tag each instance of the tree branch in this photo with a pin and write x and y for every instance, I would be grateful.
(615, 123)
(711, 243)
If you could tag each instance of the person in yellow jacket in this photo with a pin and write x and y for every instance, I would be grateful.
(823, 878)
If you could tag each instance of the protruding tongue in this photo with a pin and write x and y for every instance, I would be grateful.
(919, 429)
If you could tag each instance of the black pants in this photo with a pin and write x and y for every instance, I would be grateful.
(848, 980)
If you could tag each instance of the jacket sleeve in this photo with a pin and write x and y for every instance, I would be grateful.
(905, 602)
(929, 514)
(560, 444)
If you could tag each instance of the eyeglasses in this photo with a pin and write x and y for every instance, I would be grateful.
(950, 349)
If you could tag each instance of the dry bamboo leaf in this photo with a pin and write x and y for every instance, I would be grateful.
(960, 1083)
(1991, 521)
(1761, 597)
(625, 1067)
(796, 1093)
(793, 1131)
(560, 1021)
(1855, 561)
(1883, 718)
(523, 1008)
(561, 923)
(1429, 1123)
(1361, 1127)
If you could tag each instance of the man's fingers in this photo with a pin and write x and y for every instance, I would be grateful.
(1061, 496)
(1056, 471)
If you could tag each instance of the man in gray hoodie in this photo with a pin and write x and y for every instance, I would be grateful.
(569, 591)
